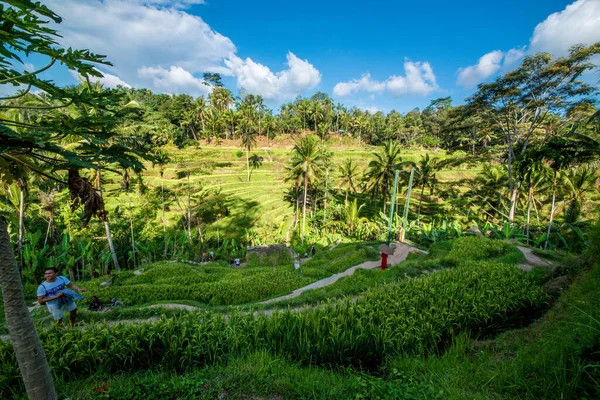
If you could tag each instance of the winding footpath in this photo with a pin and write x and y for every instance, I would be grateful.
(532, 259)
(401, 251)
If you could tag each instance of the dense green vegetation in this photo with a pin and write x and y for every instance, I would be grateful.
(416, 316)
(124, 186)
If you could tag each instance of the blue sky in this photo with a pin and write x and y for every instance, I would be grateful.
(413, 52)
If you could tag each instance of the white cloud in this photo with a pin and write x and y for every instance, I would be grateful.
(174, 79)
(156, 42)
(108, 80)
(419, 80)
(28, 67)
(371, 110)
(488, 65)
(260, 80)
(169, 3)
(136, 34)
(578, 23)
(514, 55)
(365, 83)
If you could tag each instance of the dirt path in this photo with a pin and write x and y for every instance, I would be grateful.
(532, 259)
(173, 306)
(401, 252)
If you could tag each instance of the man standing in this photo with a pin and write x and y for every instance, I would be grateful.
(51, 293)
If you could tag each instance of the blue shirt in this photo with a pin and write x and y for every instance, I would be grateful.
(51, 289)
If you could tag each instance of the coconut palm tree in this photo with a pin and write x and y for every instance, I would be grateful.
(426, 175)
(379, 174)
(248, 134)
(255, 162)
(575, 184)
(308, 161)
(352, 214)
(348, 176)
(317, 113)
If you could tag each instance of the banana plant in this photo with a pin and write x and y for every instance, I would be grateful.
(33, 256)
(66, 258)
(85, 250)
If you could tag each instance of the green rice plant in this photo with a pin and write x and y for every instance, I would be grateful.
(417, 316)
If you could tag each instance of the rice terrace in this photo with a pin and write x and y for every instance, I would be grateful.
(407, 208)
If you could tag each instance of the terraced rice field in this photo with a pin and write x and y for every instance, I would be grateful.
(260, 201)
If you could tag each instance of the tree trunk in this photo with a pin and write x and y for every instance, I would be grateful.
(420, 201)
(162, 192)
(131, 228)
(325, 209)
(297, 206)
(512, 186)
(346, 195)
(551, 213)
(28, 349)
(189, 211)
(48, 231)
(248, 163)
(90, 270)
(21, 226)
(304, 206)
(111, 246)
(528, 212)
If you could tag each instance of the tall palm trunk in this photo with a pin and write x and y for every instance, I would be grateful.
(111, 246)
(189, 210)
(325, 209)
(529, 211)
(131, 228)
(28, 349)
(297, 205)
(162, 192)
(248, 163)
(420, 201)
(304, 206)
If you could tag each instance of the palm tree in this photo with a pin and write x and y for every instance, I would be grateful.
(380, 172)
(307, 161)
(248, 133)
(348, 176)
(575, 183)
(425, 174)
(360, 123)
(316, 111)
(161, 159)
(200, 111)
(532, 175)
(352, 213)
(255, 162)
(304, 110)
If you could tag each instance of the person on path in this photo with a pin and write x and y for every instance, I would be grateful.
(237, 262)
(95, 304)
(51, 293)
(203, 256)
(117, 304)
(212, 256)
(312, 250)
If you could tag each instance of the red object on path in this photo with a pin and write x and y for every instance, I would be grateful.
(383, 261)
